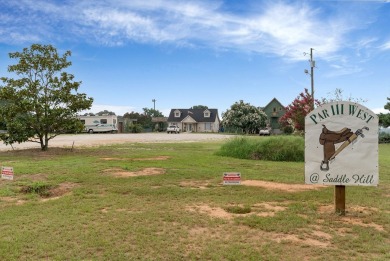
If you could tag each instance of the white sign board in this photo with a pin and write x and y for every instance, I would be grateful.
(7, 173)
(341, 145)
(231, 178)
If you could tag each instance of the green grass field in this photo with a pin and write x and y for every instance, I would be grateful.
(103, 204)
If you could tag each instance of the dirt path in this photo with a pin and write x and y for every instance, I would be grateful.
(82, 140)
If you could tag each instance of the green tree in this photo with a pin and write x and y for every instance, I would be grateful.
(387, 106)
(203, 107)
(144, 119)
(150, 113)
(384, 119)
(297, 111)
(243, 116)
(43, 102)
(105, 112)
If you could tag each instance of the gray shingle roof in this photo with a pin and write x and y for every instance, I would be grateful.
(196, 114)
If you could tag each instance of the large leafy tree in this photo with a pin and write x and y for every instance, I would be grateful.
(144, 119)
(43, 101)
(297, 111)
(244, 116)
(303, 105)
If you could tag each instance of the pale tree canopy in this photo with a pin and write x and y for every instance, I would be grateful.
(42, 102)
(244, 116)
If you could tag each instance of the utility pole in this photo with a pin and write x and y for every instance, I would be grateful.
(312, 65)
(154, 104)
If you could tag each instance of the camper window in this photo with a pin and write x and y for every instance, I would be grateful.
(103, 121)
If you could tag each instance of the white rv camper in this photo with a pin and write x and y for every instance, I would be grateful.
(104, 123)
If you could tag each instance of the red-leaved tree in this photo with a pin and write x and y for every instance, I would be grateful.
(297, 110)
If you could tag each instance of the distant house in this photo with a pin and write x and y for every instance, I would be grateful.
(195, 120)
(274, 110)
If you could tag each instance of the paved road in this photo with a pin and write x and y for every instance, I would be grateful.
(82, 140)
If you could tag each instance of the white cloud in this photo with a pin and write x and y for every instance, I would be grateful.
(380, 110)
(385, 46)
(278, 28)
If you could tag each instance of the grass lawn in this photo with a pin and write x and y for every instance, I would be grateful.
(167, 202)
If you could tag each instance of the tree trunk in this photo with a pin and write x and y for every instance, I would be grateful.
(45, 143)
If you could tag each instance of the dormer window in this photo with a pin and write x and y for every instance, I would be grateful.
(206, 114)
(177, 114)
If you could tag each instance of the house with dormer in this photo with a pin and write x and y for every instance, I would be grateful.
(195, 120)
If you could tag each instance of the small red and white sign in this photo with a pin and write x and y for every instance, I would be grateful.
(231, 178)
(7, 173)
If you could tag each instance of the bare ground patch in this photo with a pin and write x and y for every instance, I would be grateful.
(52, 193)
(260, 209)
(315, 237)
(355, 215)
(281, 186)
(143, 172)
(59, 191)
(306, 240)
(195, 184)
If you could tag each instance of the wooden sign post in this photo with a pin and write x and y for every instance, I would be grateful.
(339, 199)
(341, 148)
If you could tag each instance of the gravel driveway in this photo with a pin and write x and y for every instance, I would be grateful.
(82, 140)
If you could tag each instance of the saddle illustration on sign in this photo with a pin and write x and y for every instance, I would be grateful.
(329, 138)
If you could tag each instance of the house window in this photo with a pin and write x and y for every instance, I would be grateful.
(103, 121)
(206, 114)
(207, 126)
(177, 114)
(274, 109)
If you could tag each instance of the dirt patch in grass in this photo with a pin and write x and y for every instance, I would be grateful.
(281, 186)
(355, 215)
(54, 192)
(307, 240)
(13, 200)
(140, 159)
(195, 184)
(266, 209)
(215, 212)
(62, 189)
(142, 172)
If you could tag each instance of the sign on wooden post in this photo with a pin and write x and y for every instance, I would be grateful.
(341, 148)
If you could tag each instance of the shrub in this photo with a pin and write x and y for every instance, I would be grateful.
(384, 137)
(39, 188)
(288, 130)
(278, 148)
(133, 128)
(239, 147)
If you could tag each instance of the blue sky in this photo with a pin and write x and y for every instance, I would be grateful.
(208, 52)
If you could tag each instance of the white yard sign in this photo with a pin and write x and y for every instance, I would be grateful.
(341, 145)
(7, 173)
